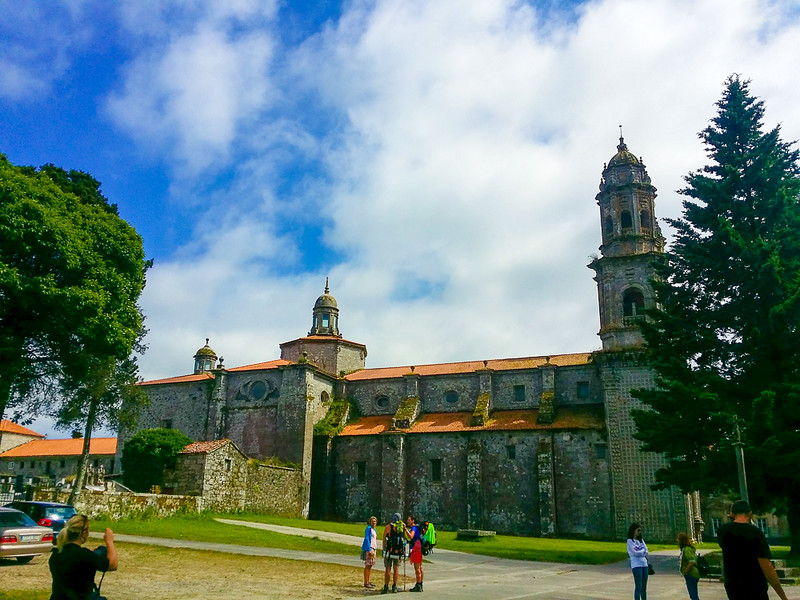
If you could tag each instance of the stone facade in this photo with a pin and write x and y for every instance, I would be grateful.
(538, 445)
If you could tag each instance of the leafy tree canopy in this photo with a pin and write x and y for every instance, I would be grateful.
(147, 454)
(71, 272)
(724, 341)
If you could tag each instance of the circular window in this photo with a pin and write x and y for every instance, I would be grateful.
(258, 391)
(382, 402)
(451, 397)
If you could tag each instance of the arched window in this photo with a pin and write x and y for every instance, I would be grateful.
(608, 225)
(632, 303)
(644, 217)
(324, 397)
(625, 220)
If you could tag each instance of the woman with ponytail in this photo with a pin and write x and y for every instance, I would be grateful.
(73, 567)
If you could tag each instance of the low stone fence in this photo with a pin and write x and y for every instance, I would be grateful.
(274, 490)
(120, 505)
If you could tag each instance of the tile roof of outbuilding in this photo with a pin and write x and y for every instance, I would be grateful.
(68, 447)
(501, 364)
(204, 447)
(7, 426)
(576, 417)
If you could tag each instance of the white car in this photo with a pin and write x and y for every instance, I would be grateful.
(21, 537)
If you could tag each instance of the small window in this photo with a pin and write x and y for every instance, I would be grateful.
(166, 423)
(361, 473)
(600, 451)
(716, 523)
(451, 397)
(325, 319)
(96, 462)
(11, 465)
(583, 389)
(511, 452)
(632, 303)
(382, 402)
(519, 393)
(625, 220)
(644, 217)
(436, 470)
(608, 225)
(47, 467)
(324, 397)
(63, 464)
(228, 464)
(258, 391)
(111, 466)
(762, 525)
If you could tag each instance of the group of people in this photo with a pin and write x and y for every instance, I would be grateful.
(748, 571)
(396, 535)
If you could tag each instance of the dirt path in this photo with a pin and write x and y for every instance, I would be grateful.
(179, 574)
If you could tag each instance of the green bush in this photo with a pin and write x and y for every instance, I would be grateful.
(147, 454)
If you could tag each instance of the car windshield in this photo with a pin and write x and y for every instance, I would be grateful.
(15, 519)
(59, 512)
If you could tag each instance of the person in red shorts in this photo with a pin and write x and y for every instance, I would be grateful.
(414, 536)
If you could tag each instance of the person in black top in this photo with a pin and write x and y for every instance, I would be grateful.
(746, 558)
(73, 567)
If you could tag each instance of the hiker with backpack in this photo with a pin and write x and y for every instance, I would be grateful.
(688, 565)
(414, 536)
(394, 542)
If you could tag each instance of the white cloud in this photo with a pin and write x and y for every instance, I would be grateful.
(460, 192)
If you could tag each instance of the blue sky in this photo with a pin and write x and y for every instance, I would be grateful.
(437, 160)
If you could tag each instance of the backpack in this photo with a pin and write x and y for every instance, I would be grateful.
(428, 538)
(703, 566)
(395, 543)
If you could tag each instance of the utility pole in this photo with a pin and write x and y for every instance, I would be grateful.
(739, 445)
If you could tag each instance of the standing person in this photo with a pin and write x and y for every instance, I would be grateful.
(414, 535)
(368, 550)
(637, 550)
(393, 551)
(746, 558)
(688, 567)
(72, 566)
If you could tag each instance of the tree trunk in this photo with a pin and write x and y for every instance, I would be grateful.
(793, 514)
(80, 475)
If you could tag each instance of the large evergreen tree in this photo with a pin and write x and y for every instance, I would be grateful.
(724, 341)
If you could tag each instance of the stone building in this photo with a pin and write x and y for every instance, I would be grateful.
(13, 434)
(539, 446)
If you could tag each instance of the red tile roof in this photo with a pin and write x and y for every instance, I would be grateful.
(501, 364)
(204, 447)
(271, 364)
(11, 427)
(182, 379)
(501, 420)
(70, 447)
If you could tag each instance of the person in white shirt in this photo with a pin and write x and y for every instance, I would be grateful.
(637, 550)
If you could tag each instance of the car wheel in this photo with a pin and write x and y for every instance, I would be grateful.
(24, 559)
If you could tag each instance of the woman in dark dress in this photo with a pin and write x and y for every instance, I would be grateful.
(73, 567)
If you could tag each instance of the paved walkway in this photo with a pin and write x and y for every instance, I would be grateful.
(451, 574)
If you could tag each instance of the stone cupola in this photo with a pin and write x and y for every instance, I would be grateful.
(204, 359)
(631, 238)
(325, 315)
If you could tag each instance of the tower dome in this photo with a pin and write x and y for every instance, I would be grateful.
(204, 359)
(325, 315)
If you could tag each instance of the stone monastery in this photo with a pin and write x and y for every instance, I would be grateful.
(539, 446)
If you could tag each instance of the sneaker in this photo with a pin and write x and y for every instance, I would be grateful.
(416, 588)
(385, 589)
(394, 589)
(369, 585)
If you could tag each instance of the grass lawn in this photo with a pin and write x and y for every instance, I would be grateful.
(500, 546)
(204, 528)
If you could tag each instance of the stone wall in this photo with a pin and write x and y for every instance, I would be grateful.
(118, 505)
(274, 490)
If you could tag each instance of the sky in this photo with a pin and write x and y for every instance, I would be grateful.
(437, 161)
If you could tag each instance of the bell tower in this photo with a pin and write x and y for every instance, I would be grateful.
(325, 317)
(631, 237)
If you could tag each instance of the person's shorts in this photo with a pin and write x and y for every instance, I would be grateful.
(416, 554)
(390, 561)
(369, 559)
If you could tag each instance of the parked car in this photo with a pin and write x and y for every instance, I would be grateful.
(21, 537)
(48, 514)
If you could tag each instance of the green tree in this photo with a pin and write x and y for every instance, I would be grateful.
(724, 341)
(147, 454)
